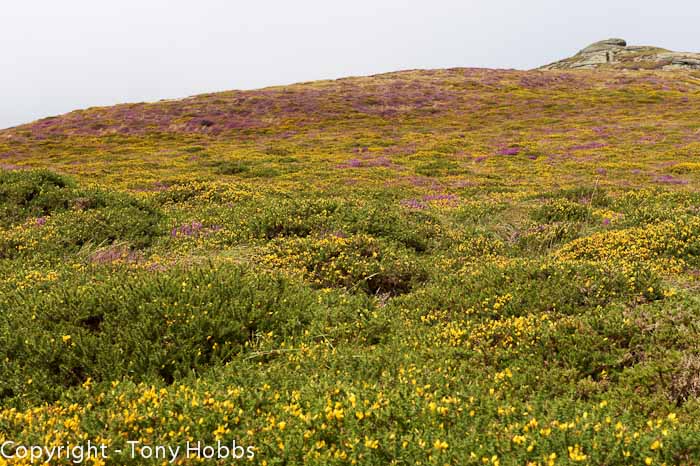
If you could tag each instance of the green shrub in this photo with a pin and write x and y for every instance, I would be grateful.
(32, 193)
(561, 210)
(542, 238)
(199, 193)
(522, 287)
(71, 217)
(135, 224)
(594, 196)
(232, 167)
(413, 229)
(148, 325)
(354, 262)
(289, 217)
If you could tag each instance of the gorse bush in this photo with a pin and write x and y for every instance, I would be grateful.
(232, 168)
(165, 326)
(561, 210)
(136, 224)
(291, 217)
(669, 245)
(645, 206)
(281, 217)
(524, 287)
(47, 214)
(198, 193)
(415, 230)
(70, 231)
(357, 262)
(32, 193)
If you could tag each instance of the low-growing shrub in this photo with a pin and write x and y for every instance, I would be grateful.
(199, 192)
(232, 167)
(149, 326)
(68, 231)
(289, 217)
(668, 245)
(353, 262)
(542, 238)
(44, 213)
(561, 210)
(523, 287)
(414, 229)
(136, 224)
(32, 193)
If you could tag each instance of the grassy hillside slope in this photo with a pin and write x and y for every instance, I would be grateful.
(461, 266)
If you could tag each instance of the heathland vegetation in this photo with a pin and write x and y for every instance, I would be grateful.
(462, 266)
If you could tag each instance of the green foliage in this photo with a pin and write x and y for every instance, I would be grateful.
(543, 238)
(232, 167)
(440, 167)
(356, 262)
(147, 326)
(561, 211)
(129, 222)
(534, 287)
(595, 196)
(415, 230)
(32, 193)
(290, 217)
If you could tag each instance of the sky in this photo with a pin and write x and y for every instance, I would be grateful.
(58, 56)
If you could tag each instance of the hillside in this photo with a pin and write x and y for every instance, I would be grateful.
(446, 126)
(462, 266)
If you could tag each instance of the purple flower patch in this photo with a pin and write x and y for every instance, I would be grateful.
(509, 151)
(10, 167)
(413, 204)
(194, 229)
(668, 179)
(440, 197)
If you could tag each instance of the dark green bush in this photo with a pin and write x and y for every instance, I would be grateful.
(149, 325)
(32, 193)
(232, 167)
(413, 229)
(287, 217)
(561, 210)
(135, 224)
(71, 216)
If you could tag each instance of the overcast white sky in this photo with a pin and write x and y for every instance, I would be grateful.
(57, 56)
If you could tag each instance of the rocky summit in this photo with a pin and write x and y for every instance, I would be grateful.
(616, 54)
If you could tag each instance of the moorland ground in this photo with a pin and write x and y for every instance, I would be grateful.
(461, 266)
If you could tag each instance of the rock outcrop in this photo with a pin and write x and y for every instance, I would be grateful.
(616, 54)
